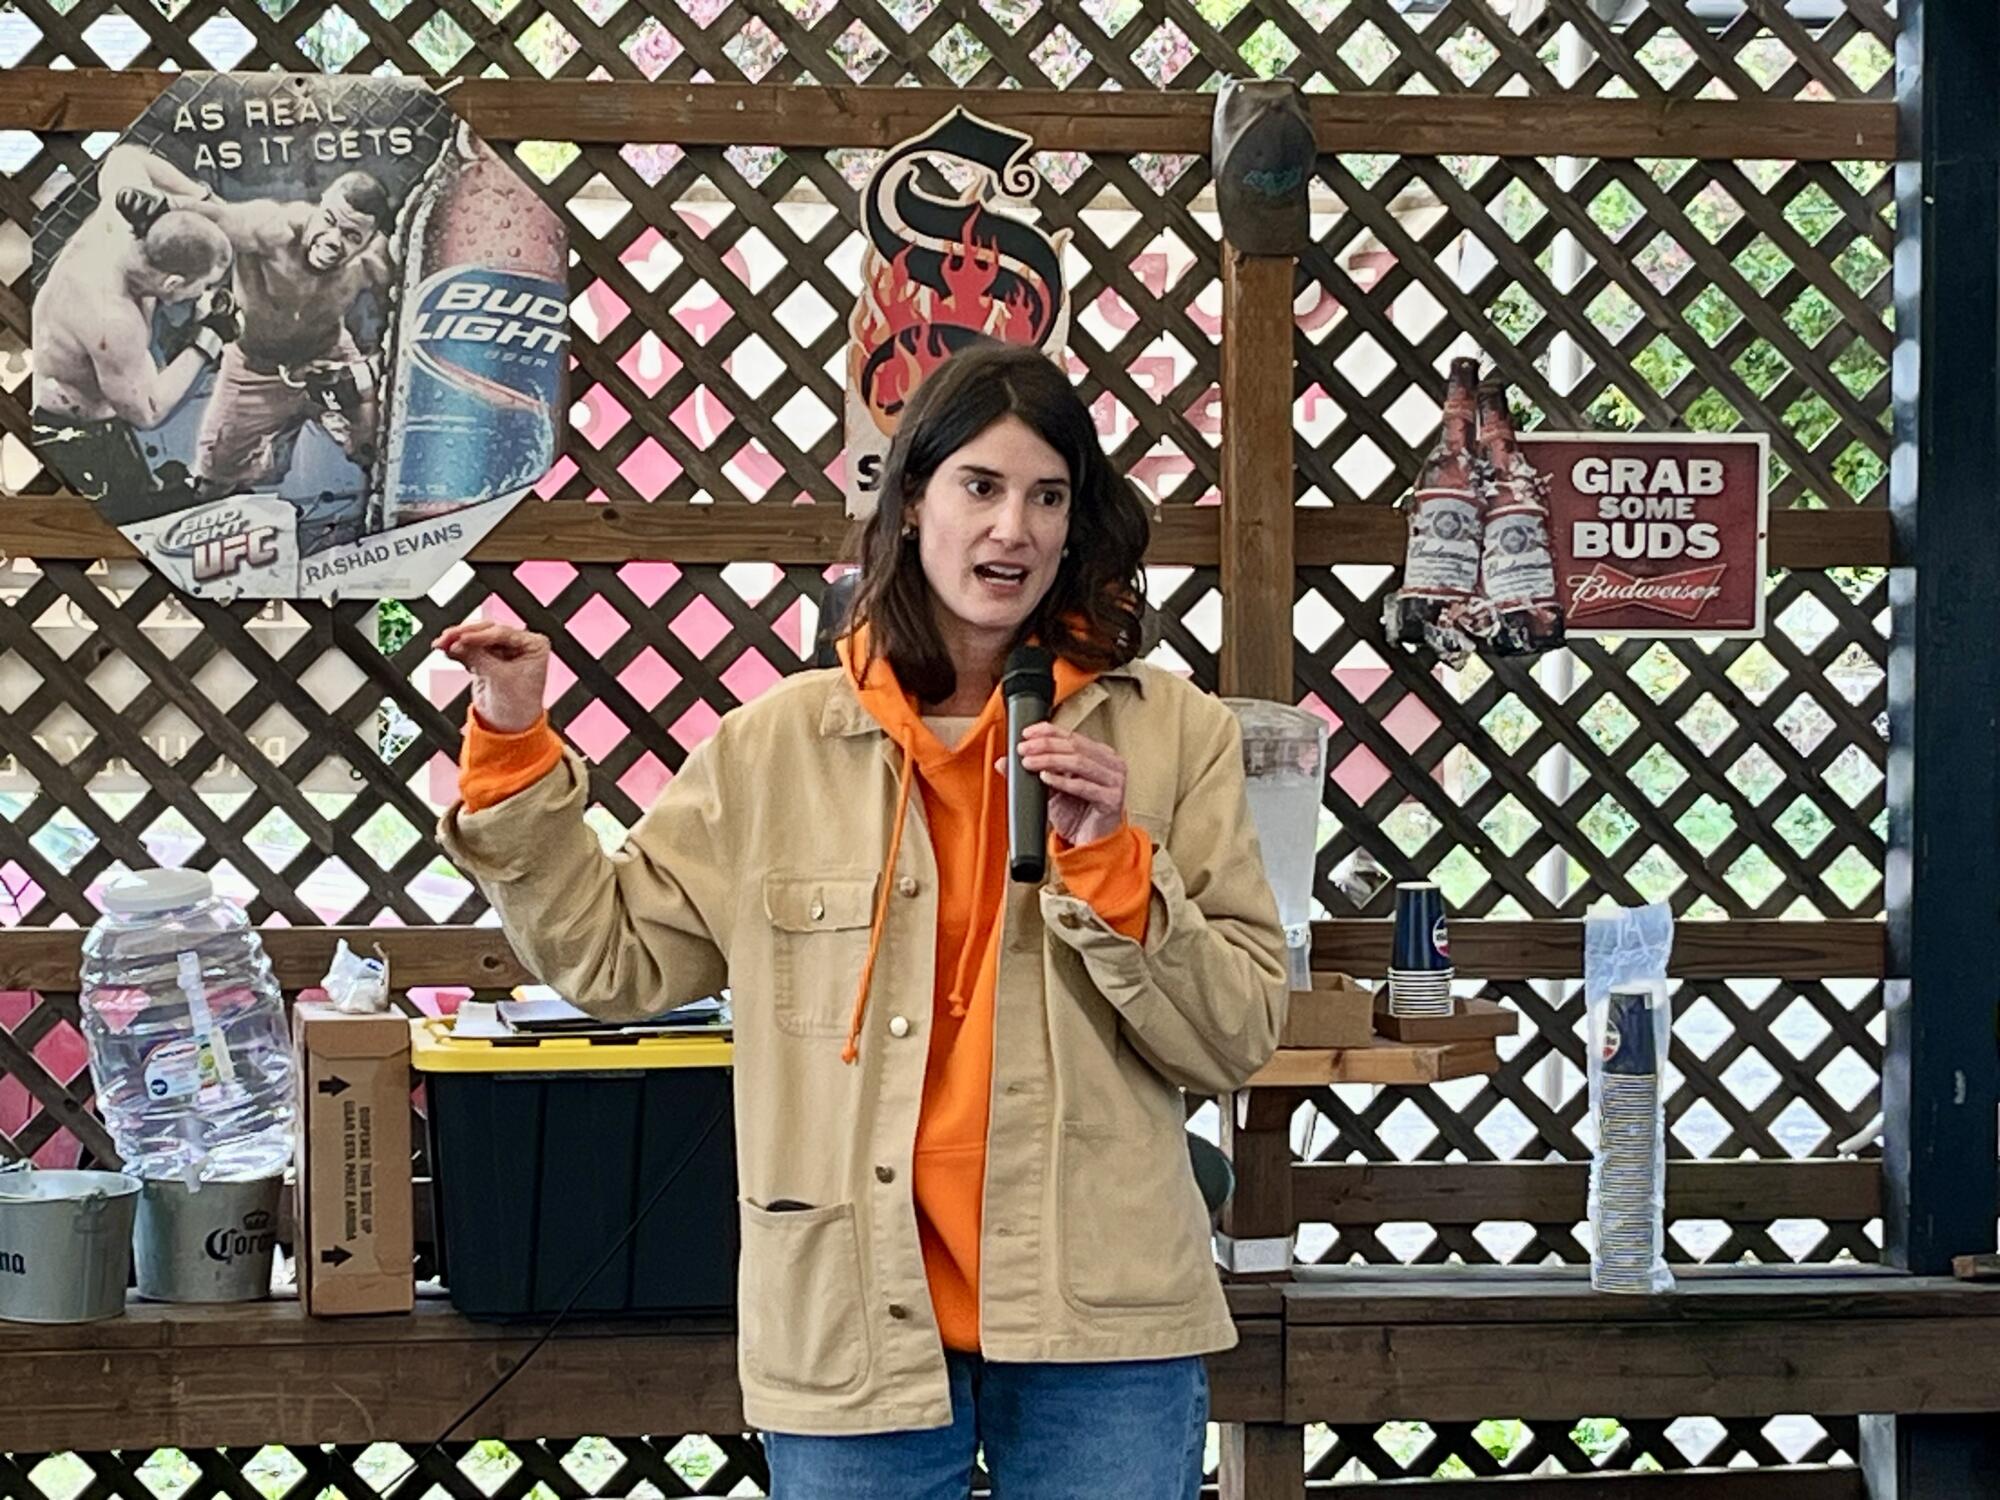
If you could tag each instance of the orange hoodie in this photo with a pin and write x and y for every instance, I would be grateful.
(965, 806)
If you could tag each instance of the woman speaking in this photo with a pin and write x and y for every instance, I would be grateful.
(968, 1215)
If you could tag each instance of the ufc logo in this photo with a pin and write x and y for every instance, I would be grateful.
(223, 555)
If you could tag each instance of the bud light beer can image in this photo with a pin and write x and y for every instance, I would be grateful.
(481, 341)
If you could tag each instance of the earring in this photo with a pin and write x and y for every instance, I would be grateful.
(909, 533)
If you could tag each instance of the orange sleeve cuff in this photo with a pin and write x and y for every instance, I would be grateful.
(494, 766)
(1115, 875)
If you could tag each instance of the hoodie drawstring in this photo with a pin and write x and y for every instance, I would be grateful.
(990, 754)
(905, 778)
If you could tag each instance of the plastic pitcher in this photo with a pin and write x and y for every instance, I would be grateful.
(1284, 767)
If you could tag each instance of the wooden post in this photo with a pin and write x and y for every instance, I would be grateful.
(1258, 1220)
(1257, 570)
(1940, 1075)
(1263, 1461)
(1916, 1458)
(1260, 1461)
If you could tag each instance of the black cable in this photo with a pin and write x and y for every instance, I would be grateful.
(583, 1284)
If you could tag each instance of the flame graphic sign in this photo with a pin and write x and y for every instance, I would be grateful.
(944, 266)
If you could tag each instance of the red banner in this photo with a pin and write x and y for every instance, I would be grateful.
(1657, 534)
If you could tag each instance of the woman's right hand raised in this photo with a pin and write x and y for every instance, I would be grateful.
(510, 671)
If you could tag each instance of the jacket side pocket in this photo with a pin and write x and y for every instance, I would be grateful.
(800, 1298)
(1133, 1228)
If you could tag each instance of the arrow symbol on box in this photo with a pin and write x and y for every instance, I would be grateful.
(333, 1085)
(336, 1256)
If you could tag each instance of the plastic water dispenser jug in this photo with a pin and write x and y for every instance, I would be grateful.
(1284, 765)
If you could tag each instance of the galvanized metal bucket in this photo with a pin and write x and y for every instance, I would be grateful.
(208, 1245)
(65, 1244)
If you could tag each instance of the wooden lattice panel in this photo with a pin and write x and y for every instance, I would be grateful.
(1738, 777)
(667, 1465)
(302, 752)
(1659, 294)
(279, 699)
(733, 1464)
(1491, 1449)
(1655, 48)
(1759, 1070)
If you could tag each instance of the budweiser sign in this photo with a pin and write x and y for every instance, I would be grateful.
(1657, 534)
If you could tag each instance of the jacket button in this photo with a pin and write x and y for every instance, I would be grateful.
(885, 1174)
(898, 1311)
(898, 1026)
(907, 885)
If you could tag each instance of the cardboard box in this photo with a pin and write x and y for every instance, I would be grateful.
(354, 1247)
(1336, 1012)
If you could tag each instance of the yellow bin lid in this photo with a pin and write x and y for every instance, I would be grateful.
(434, 1049)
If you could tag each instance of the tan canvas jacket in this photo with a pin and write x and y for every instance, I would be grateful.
(757, 869)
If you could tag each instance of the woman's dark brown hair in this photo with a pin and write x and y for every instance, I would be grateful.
(1091, 613)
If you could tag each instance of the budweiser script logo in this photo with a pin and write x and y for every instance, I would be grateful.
(1682, 595)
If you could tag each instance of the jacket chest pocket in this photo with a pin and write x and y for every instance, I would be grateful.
(819, 941)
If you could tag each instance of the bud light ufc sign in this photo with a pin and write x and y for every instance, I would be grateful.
(300, 336)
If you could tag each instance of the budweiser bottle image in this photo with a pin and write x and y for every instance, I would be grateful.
(1441, 557)
(481, 342)
(1517, 570)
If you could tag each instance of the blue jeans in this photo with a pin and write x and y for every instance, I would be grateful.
(1133, 1428)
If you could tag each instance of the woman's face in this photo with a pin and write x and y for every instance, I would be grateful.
(991, 524)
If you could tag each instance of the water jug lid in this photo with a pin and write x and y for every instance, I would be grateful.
(144, 892)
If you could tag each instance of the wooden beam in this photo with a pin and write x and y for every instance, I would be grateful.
(1845, 948)
(257, 1373)
(1804, 1482)
(1725, 1345)
(1258, 575)
(811, 116)
(1751, 1368)
(47, 958)
(1555, 1192)
(67, 527)
(150, 1380)
(1856, 1297)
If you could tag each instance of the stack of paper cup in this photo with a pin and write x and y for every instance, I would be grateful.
(1626, 1205)
(1420, 971)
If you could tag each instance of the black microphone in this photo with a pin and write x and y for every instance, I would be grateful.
(1028, 685)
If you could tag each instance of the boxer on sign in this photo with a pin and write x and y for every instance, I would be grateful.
(300, 268)
(97, 384)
